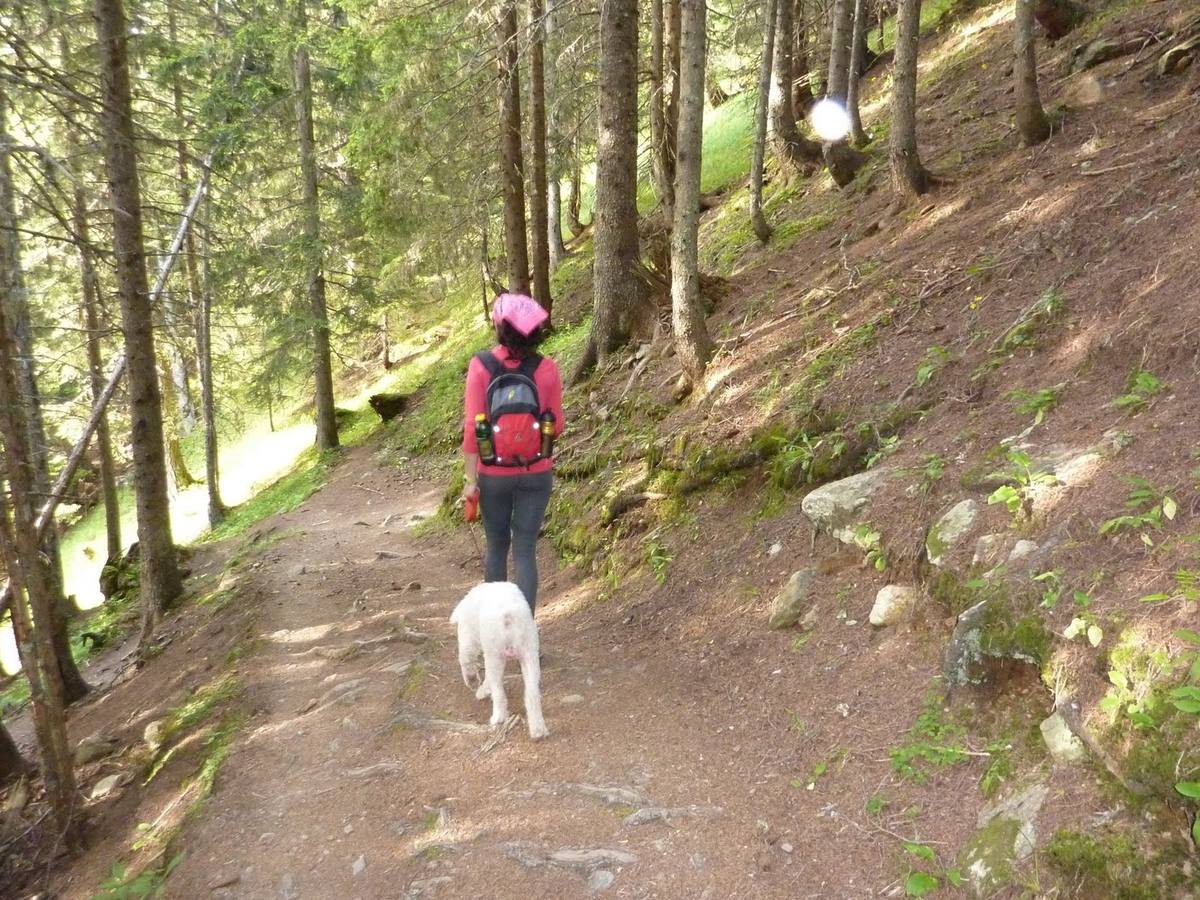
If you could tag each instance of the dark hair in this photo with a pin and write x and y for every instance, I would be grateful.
(518, 344)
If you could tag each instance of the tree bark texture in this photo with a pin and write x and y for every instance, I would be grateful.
(512, 164)
(32, 603)
(575, 193)
(216, 507)
(909, 178)
(759, 221)
(175, 317)
(693, 346)
(1031, 118)
(14, 303)
(554, 140)
(616, 284)
(160, 579)
(671, 61)
(327, 435)
(538, 188)
(858, 48)
(842, 160)
(795, 151)
(663, 186)
(802, 92)
(89, 288)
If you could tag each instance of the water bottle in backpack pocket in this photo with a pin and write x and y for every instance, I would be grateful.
(514, 410)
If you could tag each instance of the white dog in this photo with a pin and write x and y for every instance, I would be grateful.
(494, 620)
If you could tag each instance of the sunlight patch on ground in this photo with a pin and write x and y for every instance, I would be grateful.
(300, 635)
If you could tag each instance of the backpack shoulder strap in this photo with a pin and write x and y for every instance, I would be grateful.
(488, 360)
(529, 365)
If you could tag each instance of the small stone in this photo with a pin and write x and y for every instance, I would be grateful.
(991, 550)
(948, 531)
(359, 866)
(572, 698)
(834, 507)
(792, 601)
(105, 786)
(786, 847)
(349, 829)
(775, 549)
(224, 881)
(152, 734)
(1022, 549)
(600, 879)
(94, 747)
(892, 604)
(412, 586)
(1061, 742)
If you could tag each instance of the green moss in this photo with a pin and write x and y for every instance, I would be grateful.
(787, 233)
(1114, 865)
(1009, 635)
(198, 708)
(990, 855)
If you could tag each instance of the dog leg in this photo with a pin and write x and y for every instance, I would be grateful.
(531, 674)
(493, 669)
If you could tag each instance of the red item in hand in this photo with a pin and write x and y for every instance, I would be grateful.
(471, 506)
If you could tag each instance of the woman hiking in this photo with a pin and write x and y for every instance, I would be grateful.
(513, 412)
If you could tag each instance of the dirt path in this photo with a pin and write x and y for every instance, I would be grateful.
(363, 771)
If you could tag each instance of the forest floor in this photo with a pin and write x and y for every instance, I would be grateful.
(362, 768)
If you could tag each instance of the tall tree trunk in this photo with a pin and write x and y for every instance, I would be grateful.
(554, 141)
(616, 285)
(858, 50)
(842, 160)
(671, 60)
(327, 435)
(663, 187)
(537, 138)
(212, 475)
(21, 553)
(795, 151)
(693, 346)
(512, 164)
(12, 763)
(759, 221)
(14, 303)
(89, 288)
(575, 191)
(909, 177)
(1031, 118)
(802, 92)
(160, 578)
(175, 319)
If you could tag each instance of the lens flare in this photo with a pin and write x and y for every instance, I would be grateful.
(829, 120)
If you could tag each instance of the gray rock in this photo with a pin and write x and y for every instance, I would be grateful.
(106, 786)
(1022, 549)
(948, 531)
(892, 604)
(992, 549)
(1061, 742)
(792, 601)
(600, 879)
(835, 507)
(359, 866)
(94, 747)
(1024, 807)
(572, 698)
(962, 658)
(1006, 837)
(423, 886)
(152, 734)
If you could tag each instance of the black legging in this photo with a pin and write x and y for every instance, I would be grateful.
(512, 508)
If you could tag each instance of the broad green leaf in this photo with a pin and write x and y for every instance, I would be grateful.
(1120, 679)
(1190, 636)
(1169, 508)
(1188, 706)
(1155, 598)
(1095, 634)
(919, 884)
(921, 851)
(955, 877)
(1196, 832)
(1189, 789)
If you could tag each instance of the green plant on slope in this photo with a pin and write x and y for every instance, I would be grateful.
(936, 358)
(1187, 588)
(930, 472)
(660, 559)
(120, 885)
(870, 542)
(1017, 495)
(1140, 389)
(1036, 403)
(1147, 505)
(918, 882)
(932, 743)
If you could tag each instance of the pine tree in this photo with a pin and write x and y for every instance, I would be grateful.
(909, 177)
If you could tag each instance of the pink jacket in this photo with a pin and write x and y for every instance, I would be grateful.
(549, 387)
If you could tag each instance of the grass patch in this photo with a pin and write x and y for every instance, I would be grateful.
(282, 496)
(199, 708)
(933, 743)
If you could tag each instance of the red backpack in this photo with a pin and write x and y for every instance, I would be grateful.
(513, 408)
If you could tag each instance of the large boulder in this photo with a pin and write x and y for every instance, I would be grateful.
(835, 507)
(792, 602)
(989, 631)
(950, 530)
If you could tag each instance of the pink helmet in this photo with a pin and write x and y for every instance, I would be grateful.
(523, 313)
